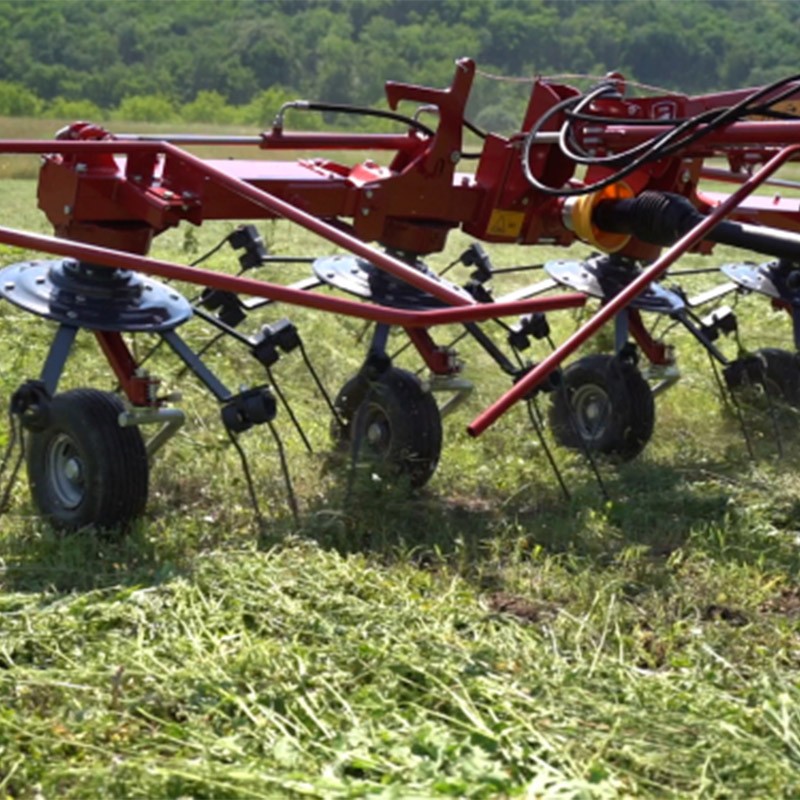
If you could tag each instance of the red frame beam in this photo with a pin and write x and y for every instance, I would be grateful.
(736, 134)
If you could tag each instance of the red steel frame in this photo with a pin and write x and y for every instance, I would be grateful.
(107, 197)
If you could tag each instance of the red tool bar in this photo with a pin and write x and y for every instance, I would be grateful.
(626, 296)
(281, 140)
(756, 134)
(102, 256)
(399, 269)
(76, 147)
(271, 140)
(189, 138)
(726, 176)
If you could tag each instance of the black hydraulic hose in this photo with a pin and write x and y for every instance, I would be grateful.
(340, 108)
(683, 133)
(663, 218)
(471, 126)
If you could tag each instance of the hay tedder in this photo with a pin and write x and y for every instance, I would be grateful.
(627, 175)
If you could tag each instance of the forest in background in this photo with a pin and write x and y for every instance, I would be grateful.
(236, 61)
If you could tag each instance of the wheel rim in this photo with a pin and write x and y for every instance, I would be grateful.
(378, 431)
(65, 471)
(592, 410)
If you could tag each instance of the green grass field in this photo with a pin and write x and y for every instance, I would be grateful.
(484, 637)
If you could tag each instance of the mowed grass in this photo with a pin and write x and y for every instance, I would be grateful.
(483, 637)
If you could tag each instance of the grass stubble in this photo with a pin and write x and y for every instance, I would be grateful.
(484, 637)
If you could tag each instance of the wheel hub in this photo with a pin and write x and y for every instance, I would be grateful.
(378, 434)
(358, 277)
(72, 470)
(591, 406)
(66, 472)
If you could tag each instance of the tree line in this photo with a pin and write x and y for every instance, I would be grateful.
(235, 61)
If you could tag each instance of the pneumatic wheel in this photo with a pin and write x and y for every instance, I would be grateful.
(774, 371)
(393, 422)
(83, 467)
(346, 403)
(605, 405)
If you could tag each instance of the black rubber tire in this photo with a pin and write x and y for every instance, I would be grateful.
(603, 404)
(83, 468)
(346, 403)
(776, 371)
(396, 422)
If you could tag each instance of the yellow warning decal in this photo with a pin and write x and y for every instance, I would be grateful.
(787, 107)
(784, 106)
(505, 223)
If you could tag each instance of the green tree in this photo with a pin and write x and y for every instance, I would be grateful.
(149, 108)
(17, 101)
(261, 110)
(74, 110)
(104, 51)
(208, 107)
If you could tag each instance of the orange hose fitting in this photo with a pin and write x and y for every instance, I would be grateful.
(581, 213)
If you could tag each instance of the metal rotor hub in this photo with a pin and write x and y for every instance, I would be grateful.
(87, 296)
(605, 277)
(780, 281)
(361, 278)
